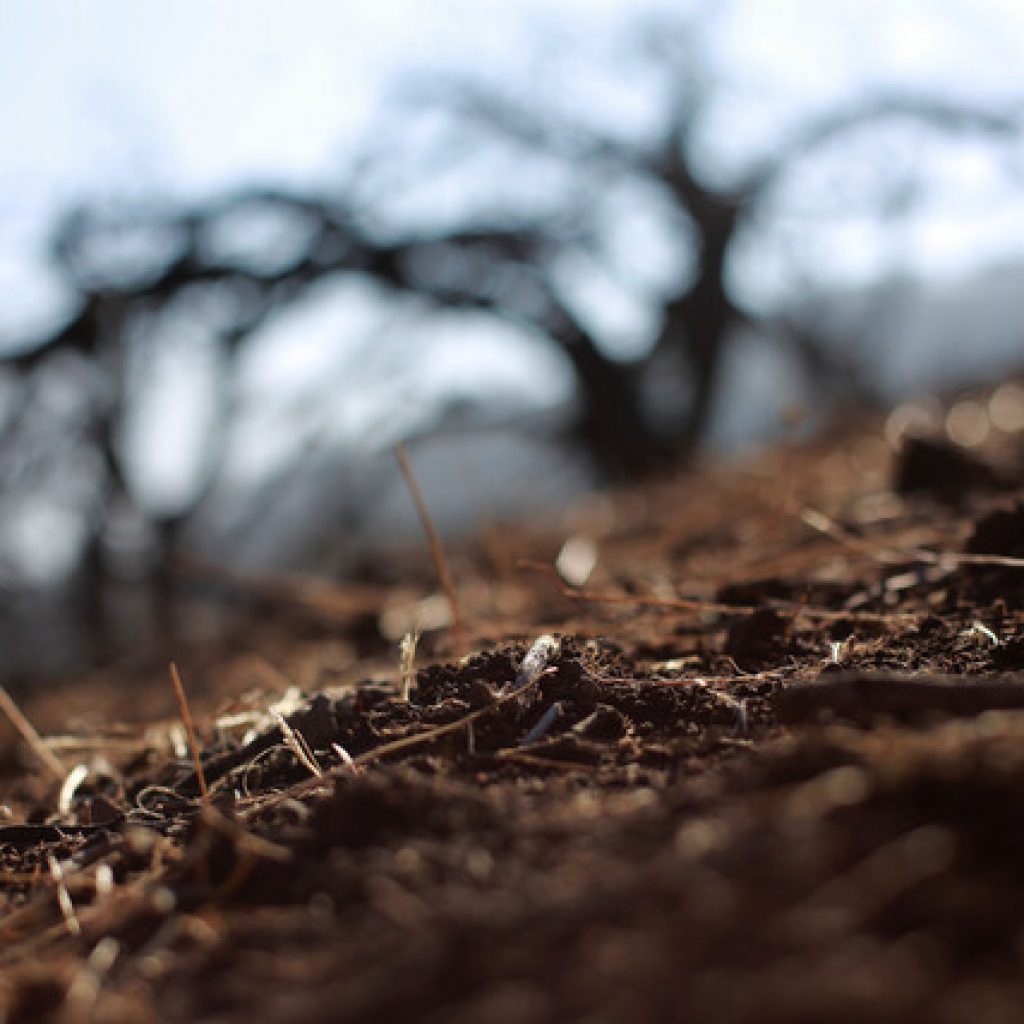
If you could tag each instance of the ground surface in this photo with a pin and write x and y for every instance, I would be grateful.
(763, 772)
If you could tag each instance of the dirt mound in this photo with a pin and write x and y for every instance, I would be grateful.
(764, 765)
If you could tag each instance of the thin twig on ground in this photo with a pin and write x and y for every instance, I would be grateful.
(186, 718)
(696, 680)
(830, 528)
(889, 555)
(31, 737)
(420, 738)
(688, 604)
(309, 786)
(436, 549)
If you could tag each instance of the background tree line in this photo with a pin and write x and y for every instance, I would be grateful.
(205, 278)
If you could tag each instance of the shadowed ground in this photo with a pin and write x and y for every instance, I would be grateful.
(763, 771)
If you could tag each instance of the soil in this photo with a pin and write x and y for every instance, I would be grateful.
(764, 766)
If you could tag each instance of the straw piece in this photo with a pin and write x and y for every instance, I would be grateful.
(434, 541)
(186, 718)
(31, 737)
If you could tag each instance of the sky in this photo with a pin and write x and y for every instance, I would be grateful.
(129, 98)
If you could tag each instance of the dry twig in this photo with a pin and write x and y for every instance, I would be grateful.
(396, 746)
(186, 717)
(887, 555)
(688, 604)
(32, 738)
(436, 550)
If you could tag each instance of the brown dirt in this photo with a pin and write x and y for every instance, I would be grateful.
(765, 773)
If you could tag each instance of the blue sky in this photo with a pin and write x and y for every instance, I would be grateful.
(127, 97)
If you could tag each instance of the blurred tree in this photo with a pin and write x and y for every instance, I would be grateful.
(143, 279)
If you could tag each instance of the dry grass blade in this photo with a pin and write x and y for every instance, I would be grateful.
(346, 758)
(690, 681)
(67, 908)
(436, 550)
(688, 604)
(32, 738)
(186, 718)
(830, 528)
(407, 661)
(948, 559)
(957, 558)
(70, 786)
(297, 744)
